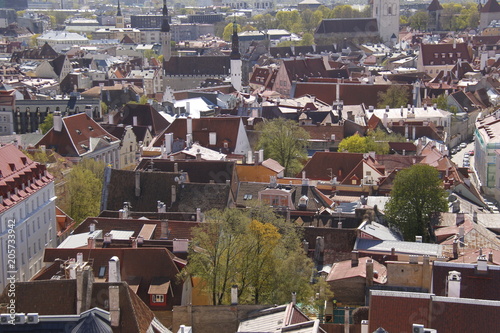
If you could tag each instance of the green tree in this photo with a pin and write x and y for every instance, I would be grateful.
(416, 194)
(232, 247)
(395, 96)
(354, 144)
(284, 141)
(47, 123)
(83, 187)
(442, 103)
(104, 108)
(450, 17)
(289, 20)
(419, 20)
(265, 21)
(307, 39)
(228, 31)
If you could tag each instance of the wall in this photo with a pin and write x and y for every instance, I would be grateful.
(404, 274)
(349, 291)
(209, 319)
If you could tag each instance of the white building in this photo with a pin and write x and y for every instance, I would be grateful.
(387, 14)
(62, 39)
(487, 147)
(27, 207)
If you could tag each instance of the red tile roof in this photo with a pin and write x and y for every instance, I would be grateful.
(432, 54)
(491, 6)
(340, 164)
(343, 270)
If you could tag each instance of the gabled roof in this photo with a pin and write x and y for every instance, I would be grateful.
(491, 6)
(80, 135)
(302, 68)
(58, 64)
(146, 115)
(410, 248)
(344, 270)
(197, 65)
(275, 319)
(340, 163)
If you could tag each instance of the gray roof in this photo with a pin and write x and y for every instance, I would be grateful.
(379, 231)
(268, 320)
(410, 248)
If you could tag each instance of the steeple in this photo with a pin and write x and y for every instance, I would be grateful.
(119, 11)
(235, 43)
(165, 26)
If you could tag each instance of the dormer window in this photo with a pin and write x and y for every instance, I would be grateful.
(90, 128)
(78, 132)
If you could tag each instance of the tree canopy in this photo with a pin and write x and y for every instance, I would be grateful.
(47, 123)
(284, 141)
(416, 194)
(395, 96)
(253, 249)
(377, 141)
(83, 187)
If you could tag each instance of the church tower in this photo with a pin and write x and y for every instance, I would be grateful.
(236, 64)
(165, 35)
(387, 14)
(119, 17)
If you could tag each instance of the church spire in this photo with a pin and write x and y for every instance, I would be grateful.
(235, 42)
(119, 11)
(165, 26)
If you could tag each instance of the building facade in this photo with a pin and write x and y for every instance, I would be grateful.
(27, 215)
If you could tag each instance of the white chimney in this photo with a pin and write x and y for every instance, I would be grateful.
(92, 227)
(114, 270)
(169, 140)
(453, 287)
(261, 155)
(57, 120)
(482, 264)
(174, 194)
(79, 258)
(418, 239)
(189, 125)
(114, 305)
(134, 121)
(188, 108)
(198, 214)
(234, 295)
(294, 297)
(189, 140)
(212, 140)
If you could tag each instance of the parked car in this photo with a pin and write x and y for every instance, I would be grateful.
(463, 145)
(471, 153)
(458, 149)
(466, 157)
(453, 151)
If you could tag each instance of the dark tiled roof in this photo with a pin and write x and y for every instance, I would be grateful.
(392, 162)
(197, 65)
(303, 68)
(472, 285)
(75, 135)
(491, 6)
(351, 94)
(349, 25)
(198, 171)
(58, 64)
(400, 146)
(225, 127)
(146, 116)
(451, 54)
(204, 196)
(155, 186)
(146, 263)
(340, 163)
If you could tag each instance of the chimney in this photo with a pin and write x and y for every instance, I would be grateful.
(339, 225)
(114, 270)
(256, 158)
(234, 295)
(108, 238)
(369, 272)
(92, 227)
(393, 251)
(453, 284)
(164, 229)
(134, 121)
(169, 139)
(418, 239)
(490, 257)
(84, 281)
(455, 249)
(137, 184)
(189, 125)
(426, 272)
(249, 157)
(261, 156)
(354, 258)
(91, 243)
(198, 214)
(110, 119)
(176, 167)
(57, 121)
(174, 194)
(160, 206)
(387, 108)
(474, 216)
(133, 240)
(482, 264)
(114, 305)
(294, 297)
(305, 245)
(198, 155)
(79, 258)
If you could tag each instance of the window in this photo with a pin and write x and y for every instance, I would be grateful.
(102, 271)
(368, 173)
(158, 298)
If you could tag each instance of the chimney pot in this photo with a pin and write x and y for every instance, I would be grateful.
(234, 295)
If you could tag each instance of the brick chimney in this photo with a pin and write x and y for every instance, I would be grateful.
(354, 258)
(84, 281)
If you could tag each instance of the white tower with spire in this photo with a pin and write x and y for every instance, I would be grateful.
(236, 64)
(120, 23)
(165, 35)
